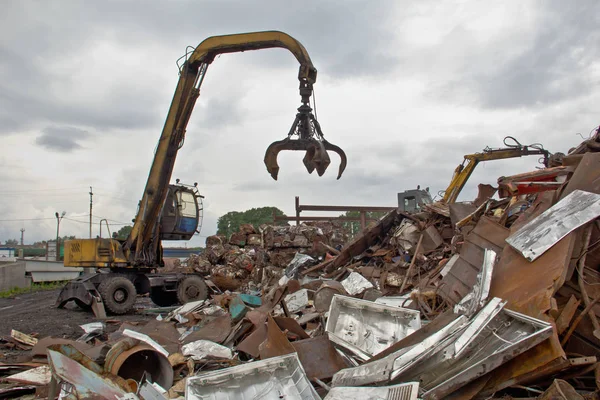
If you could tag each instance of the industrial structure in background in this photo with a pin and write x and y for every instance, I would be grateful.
(172, 212)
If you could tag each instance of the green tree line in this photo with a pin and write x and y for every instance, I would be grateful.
(230, 223)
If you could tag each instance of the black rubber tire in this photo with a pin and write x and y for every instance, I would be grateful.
(191, 288)
(118, 294)
(162, 298)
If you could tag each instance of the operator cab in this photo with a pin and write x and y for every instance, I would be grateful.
(412, 201)
(181, 213)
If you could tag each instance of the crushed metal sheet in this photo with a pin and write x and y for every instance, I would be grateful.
(494, 336)
(86, 383)
(460, 273)
(39, 350)
(253, 341)
(23, 338)
(542, 232)
(297, 262)
(531, 294)
(406, 236)
(216, 330)
(274, 378)
(292, 326)
(477, 324)
(36, 376)
(276, 343)
(297, 300)
(92, 330)
(146, 339)
(319, 357)
(356, 284)
(151, 391)
(473, 301)
(560, 390)
(16, 392)
(186, 309)
(93, 326)
(201, 349)
(367, 328)
(395, 301)
(388, 368)
(449, 264)
(403, 391)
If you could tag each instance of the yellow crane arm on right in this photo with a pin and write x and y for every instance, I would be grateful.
(463, 172)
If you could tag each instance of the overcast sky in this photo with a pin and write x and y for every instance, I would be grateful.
(405, 88)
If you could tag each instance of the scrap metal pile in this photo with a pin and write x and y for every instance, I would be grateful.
(486, 299)
(250, 259)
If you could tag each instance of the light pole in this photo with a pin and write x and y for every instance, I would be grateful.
(58, 219)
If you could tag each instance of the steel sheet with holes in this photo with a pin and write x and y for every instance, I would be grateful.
(271, 379)
(544, 231)
(366, 328)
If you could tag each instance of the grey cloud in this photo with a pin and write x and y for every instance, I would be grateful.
(219, 113)
(331, 31)
(63, 139)
(253, 186)
(555, 67)
(344, 39)
(28, 99)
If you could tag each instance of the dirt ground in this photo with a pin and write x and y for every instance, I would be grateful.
(35, 313)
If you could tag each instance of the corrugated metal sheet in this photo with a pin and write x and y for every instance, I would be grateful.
(462, 276)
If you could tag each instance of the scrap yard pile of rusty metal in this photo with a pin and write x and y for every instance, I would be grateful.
(257, 258)
(493, 298)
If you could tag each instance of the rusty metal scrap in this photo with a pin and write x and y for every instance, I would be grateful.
(309, 310)
(132, 359)
(319, 357)
(86, 379)
(461, 275)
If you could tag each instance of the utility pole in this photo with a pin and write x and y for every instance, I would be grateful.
(58, 219)
(22, 232)
(91, 194)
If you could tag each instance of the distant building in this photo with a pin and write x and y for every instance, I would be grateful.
(8, 254)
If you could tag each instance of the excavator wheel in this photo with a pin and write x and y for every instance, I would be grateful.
(191, 288)
(118, 294)
(162, 298)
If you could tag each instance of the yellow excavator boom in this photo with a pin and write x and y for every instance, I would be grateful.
(159, 214)
(171, 211)
(463, 171)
